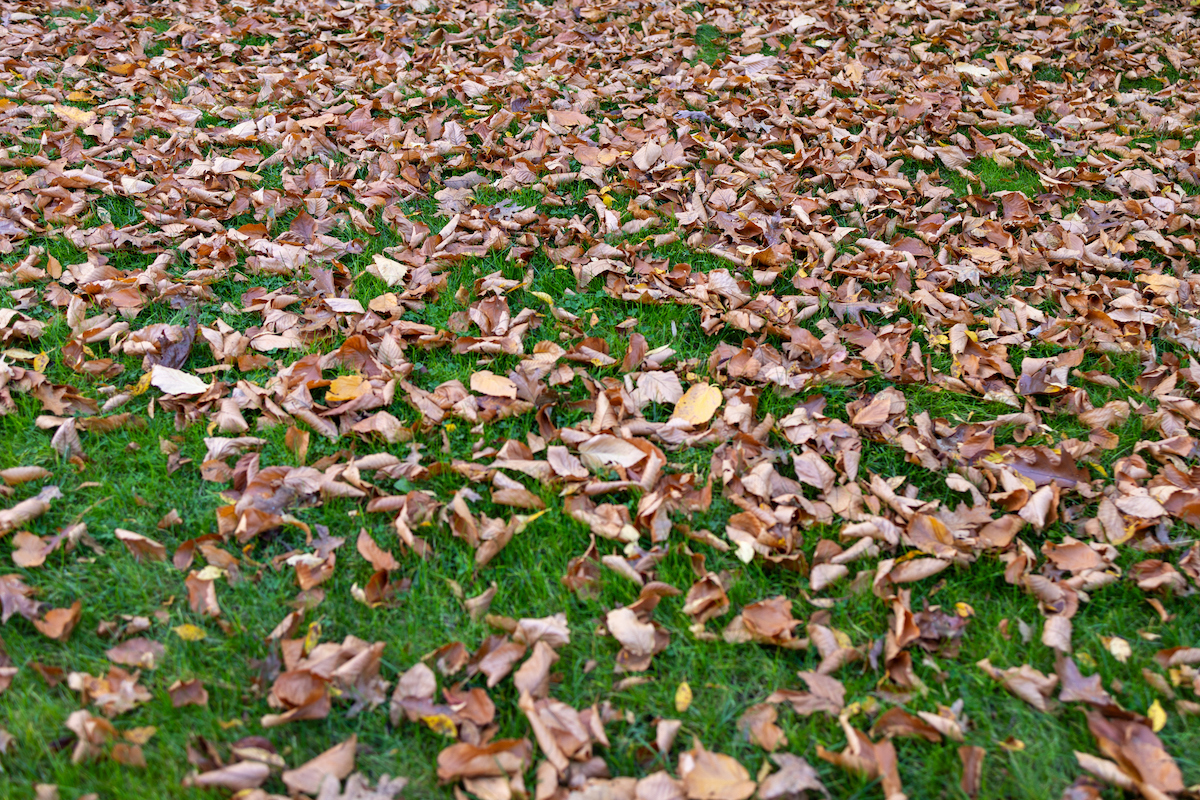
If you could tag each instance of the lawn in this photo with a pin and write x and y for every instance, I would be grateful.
(599, 400)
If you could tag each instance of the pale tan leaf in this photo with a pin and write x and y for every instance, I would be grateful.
(173, 381)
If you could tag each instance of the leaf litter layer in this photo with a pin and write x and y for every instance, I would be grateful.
(599, 400)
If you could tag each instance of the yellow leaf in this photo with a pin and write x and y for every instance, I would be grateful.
(189, 633)
(1012, 745)
(75, 117)
(523, 520)
(1158, 717)
(140, 735)
(233, 723)
(312, 638)
(683, 697)
(440, 723)
(545, 298)
(698, 404)
(142, 385)
(211, 573)
(41, 361)
(964, 610)
(1071, 8)
(346, 387)
(80, 97)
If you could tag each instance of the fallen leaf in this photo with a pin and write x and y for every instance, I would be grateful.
(57, 623)
(337, 761)
(683, 697)
(189, 632)
(175, 382)
(713, 776)
(141, 547)
(698, 404)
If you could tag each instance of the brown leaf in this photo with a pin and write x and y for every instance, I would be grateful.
(379, 558)
(706, 599)
(30, 551)
(767, 622)
(757, 724)
(26, 511)
(202, 595)
(634, 635)
(337, 761)
(795, 777)
(972, 774)
(477, 607)
(898, 722)
(1025, 682)
(188, 693)
(871, 759)
(826, 694)
(1139, 760)
(173, 353)
(141, 547)
(57, 623)
(234, 777)
(138, 652)
(499, 758)
(129, 755)
(713, 776)
(488, 383)
(1078, 689)
(16, 598)
(15, 476)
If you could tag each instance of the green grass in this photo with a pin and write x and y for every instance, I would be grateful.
(726, 679)
(125, 483)
(710, 41)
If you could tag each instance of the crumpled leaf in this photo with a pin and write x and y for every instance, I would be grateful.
(713, 776)
(337, 761)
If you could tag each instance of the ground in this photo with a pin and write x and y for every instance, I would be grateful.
(787, 370)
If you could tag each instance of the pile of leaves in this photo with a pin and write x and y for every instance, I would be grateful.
(867, 297)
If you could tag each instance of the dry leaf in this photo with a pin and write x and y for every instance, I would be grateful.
(683, 697)
(141, 547)
(57, 623)
(174, 382)
(337, 761)
(698, 404)
(713, 776)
